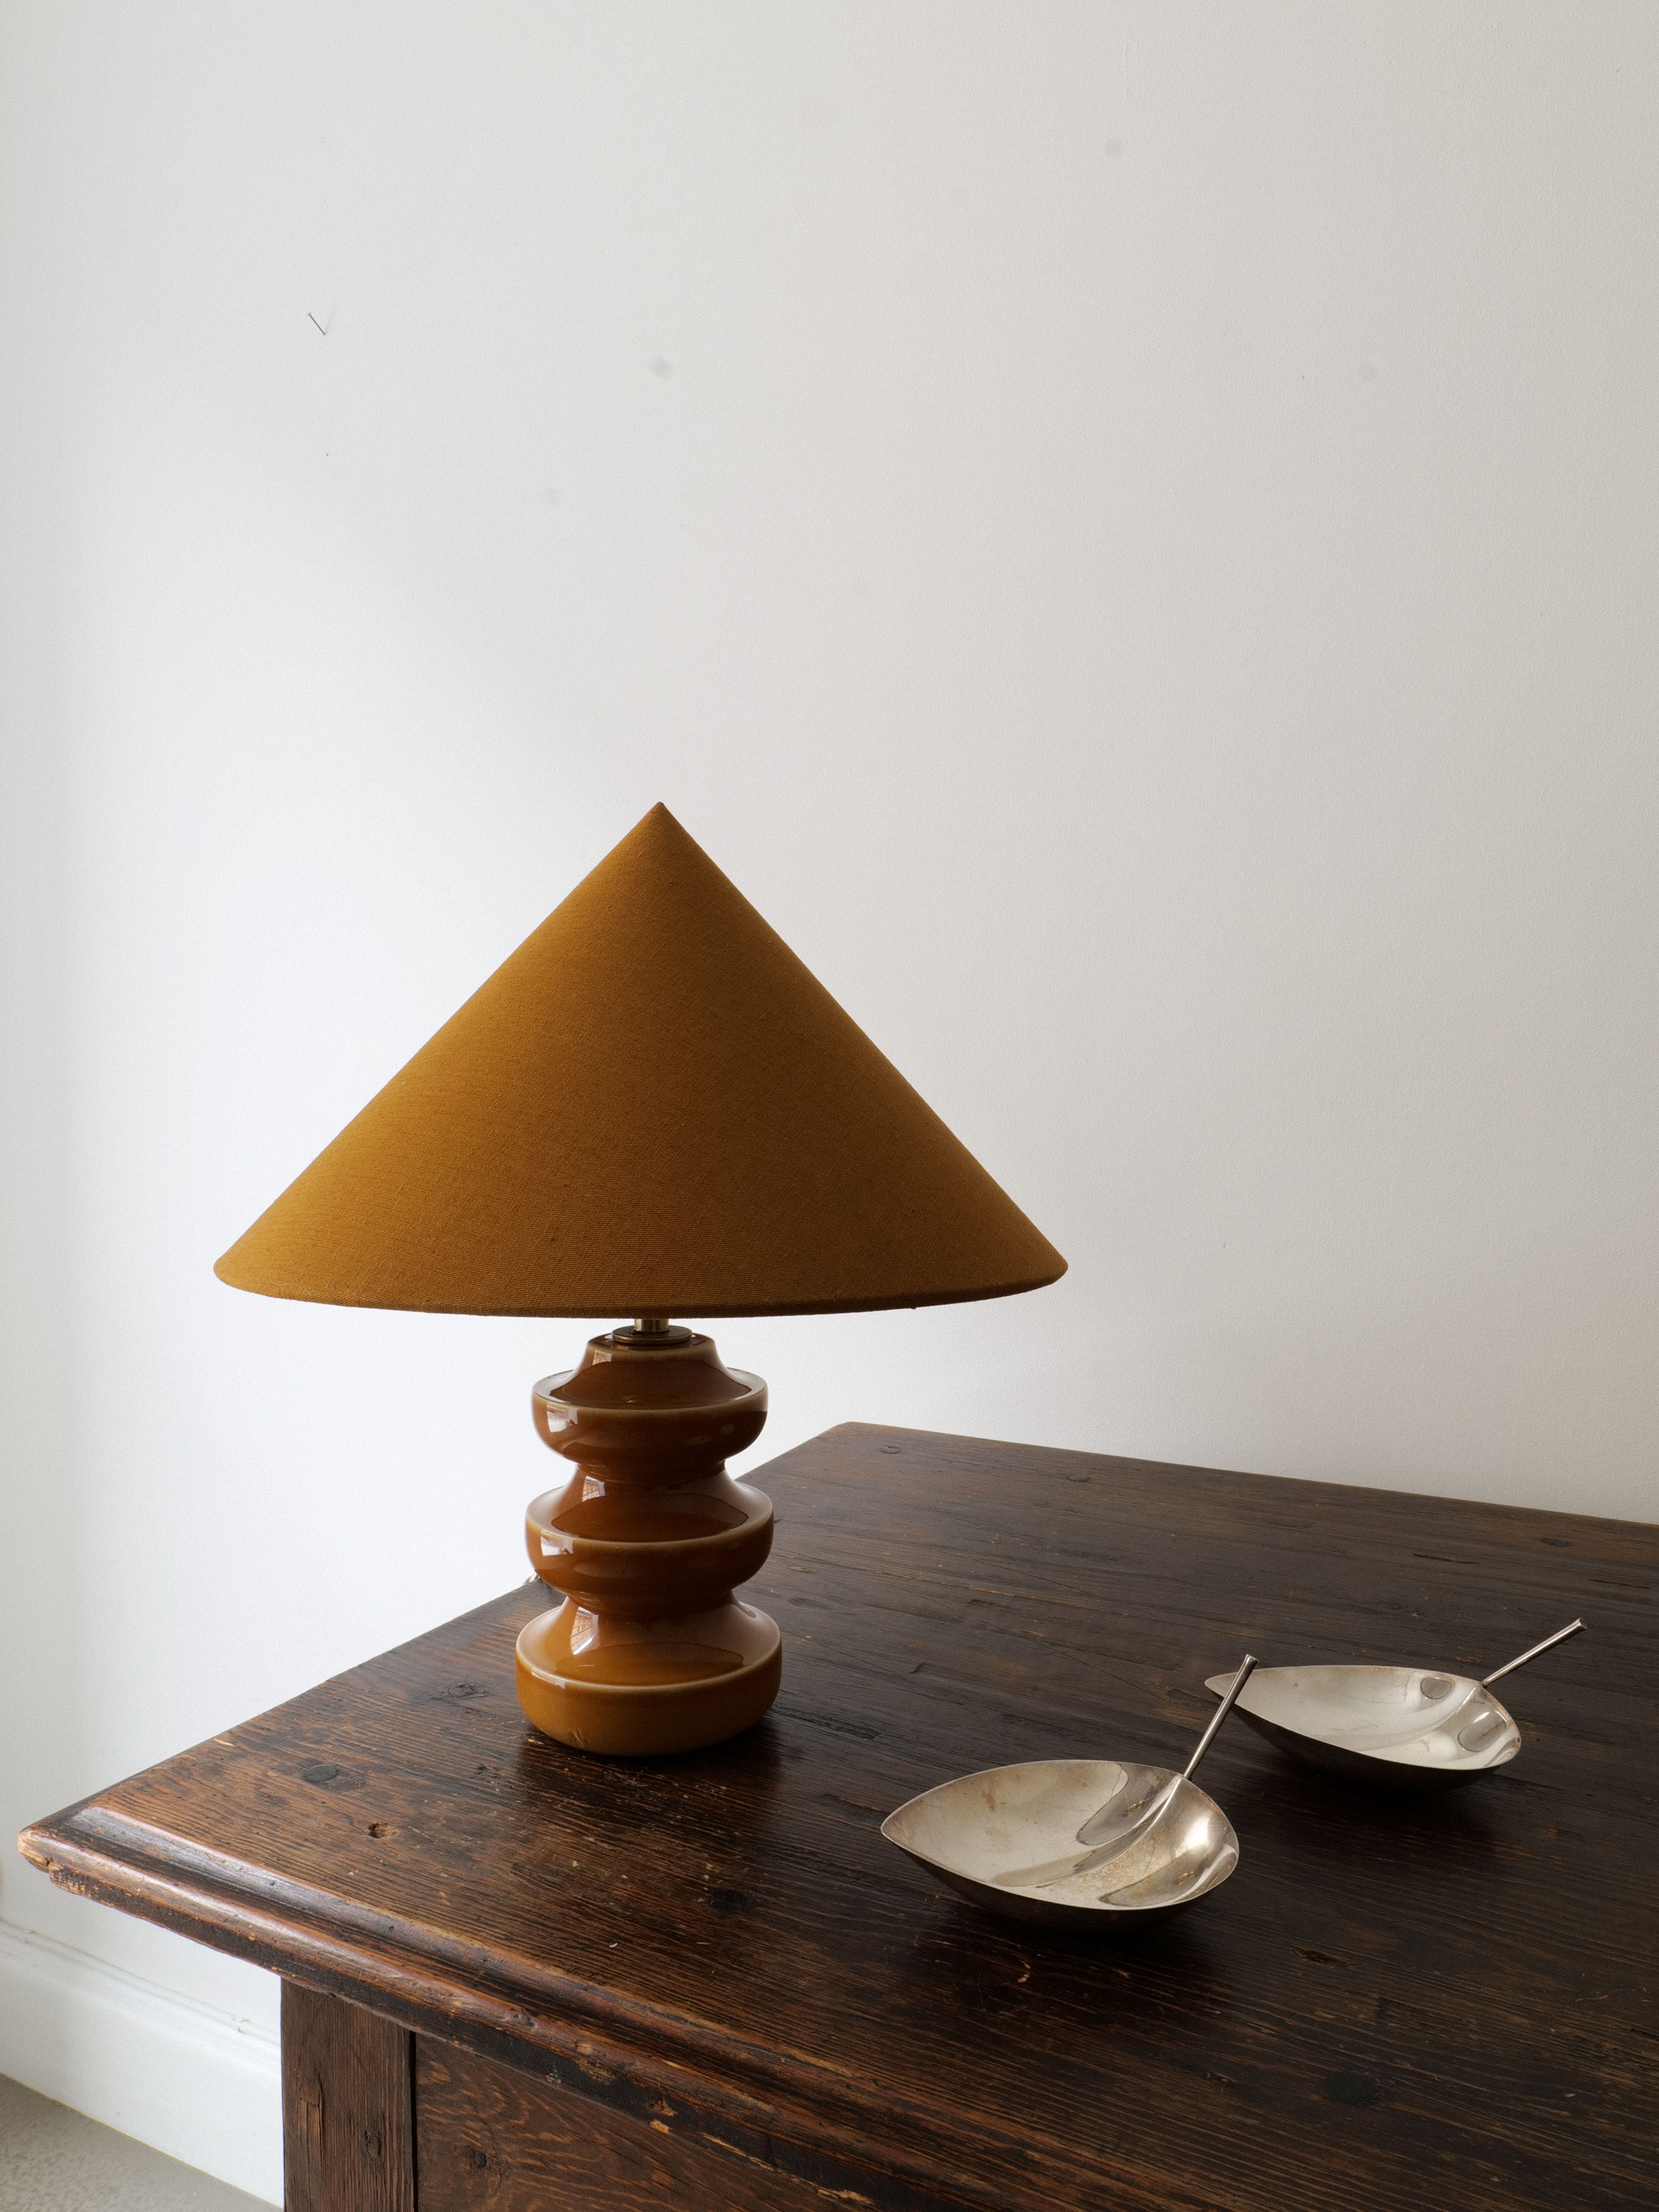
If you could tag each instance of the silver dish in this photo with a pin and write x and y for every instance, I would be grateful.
(1076, 1843)
(1405, 1727)
(1005, 1837)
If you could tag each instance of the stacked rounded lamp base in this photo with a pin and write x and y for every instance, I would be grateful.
(649, 1651)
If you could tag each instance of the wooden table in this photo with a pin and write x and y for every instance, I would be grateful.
(517, 1977)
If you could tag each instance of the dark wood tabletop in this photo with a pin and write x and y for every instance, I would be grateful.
(708, 1979)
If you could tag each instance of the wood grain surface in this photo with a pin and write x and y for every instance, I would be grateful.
(348, 2107)
(493, 2138)
(1396, 2002)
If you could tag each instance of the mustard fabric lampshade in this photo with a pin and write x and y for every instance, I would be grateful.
(651, 1107)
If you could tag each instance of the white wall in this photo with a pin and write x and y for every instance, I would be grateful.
(1130, 531)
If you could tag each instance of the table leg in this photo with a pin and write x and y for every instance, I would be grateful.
(348, 2118)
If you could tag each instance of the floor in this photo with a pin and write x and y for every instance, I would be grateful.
(52, 2160)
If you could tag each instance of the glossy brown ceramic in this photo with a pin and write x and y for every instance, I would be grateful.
(649, 1651)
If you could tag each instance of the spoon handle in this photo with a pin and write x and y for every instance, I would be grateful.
(1560, 1635)
(1226, 1706)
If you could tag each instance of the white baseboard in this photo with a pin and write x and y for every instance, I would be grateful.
(191, 2081)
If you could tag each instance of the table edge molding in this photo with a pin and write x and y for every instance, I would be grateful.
(611, 2050)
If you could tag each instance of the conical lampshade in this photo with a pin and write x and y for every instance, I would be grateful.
(651, 1108)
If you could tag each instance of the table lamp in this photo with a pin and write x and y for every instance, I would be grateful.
(650, 1108)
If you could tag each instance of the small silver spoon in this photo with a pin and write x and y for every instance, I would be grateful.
(1109, 1830)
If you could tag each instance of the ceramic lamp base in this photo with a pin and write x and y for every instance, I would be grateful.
(636, 1718)
(649, 1651)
